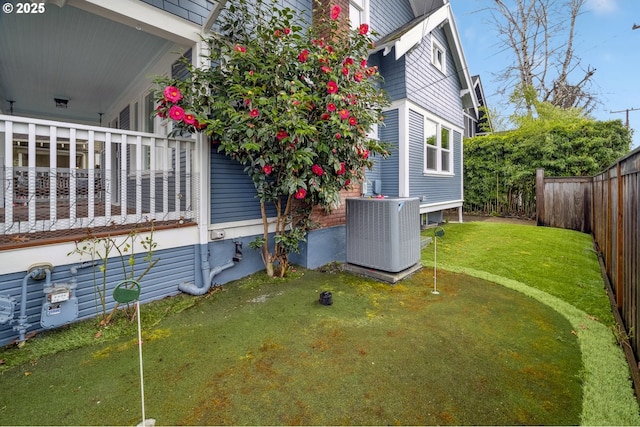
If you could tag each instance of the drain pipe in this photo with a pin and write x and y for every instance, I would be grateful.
(22, 319)
(208, 274)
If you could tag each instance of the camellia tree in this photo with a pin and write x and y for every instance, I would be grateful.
(291, 103)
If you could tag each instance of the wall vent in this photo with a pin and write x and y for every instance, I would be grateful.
(383, 234)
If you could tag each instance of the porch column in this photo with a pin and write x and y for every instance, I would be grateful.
(3, 167)
(31, 173)
(8, 172)
(53, 176)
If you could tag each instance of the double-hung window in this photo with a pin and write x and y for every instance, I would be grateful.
(437, 148)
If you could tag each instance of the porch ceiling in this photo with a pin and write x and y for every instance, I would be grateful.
(70, 53)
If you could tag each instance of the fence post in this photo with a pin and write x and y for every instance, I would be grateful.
(540, 196)
(619, 240)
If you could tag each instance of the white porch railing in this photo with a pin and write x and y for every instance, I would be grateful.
(60, 176)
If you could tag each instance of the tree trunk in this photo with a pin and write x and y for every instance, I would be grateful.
(269, 266)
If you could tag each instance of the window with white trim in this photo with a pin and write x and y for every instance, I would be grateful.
(373, 132)
(437, 148)
(358, 13)
(438, 55)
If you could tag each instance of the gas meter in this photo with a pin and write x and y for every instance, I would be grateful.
(60, 305)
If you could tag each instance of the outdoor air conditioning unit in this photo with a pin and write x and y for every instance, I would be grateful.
(383, 234)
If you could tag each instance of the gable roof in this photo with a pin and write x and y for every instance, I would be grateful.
(422, 7)
(412, 33)
(483, 117)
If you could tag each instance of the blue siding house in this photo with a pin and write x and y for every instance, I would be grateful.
(82, 155)
(420, 56)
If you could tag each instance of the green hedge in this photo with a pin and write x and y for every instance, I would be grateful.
(500, 169)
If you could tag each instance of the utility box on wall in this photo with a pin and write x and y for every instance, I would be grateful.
(383, 234)
(60, 305)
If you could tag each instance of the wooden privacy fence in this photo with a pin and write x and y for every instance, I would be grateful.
(605, 205)
(564, 202)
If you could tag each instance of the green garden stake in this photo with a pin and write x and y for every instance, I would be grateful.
(126, 292)
(437, 232)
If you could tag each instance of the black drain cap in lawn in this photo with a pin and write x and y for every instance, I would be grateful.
(326, 298)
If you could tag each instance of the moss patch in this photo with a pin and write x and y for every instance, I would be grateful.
(265, 352)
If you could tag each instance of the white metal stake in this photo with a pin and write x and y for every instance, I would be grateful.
(435, 263)
(141, 370)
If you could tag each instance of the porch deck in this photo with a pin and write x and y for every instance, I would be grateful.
(18, 241)
(35, 238)
(62, 181)
(21, 211)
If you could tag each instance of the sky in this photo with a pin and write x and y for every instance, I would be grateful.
(604, 40)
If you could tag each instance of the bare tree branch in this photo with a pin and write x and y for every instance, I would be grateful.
(540, 33)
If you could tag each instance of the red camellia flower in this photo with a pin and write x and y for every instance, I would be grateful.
(267, 169)
(364, 29)
(345, 71)
(338, 136)
(160, 112)
(363, 63)
(325, 69)
(332, 87)
(347, 183)
(365, 154)
(358, 76)
(329, 49)
(348, 61)
(189, 119)
(172, 94)
(304, 55)
(176, 112)
(281, 135)
(254, 113)
(199, 125)
(276, 33)
(324, 116)
(300, 194)
(287, 31)
(344, 114)
(335, 12)
(331, 107)
(239, 48)
(317, 169)
(352, 121)
(342, 170)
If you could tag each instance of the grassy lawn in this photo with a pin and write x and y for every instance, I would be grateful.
(262, 351)
(559, 262)
(560, 268)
